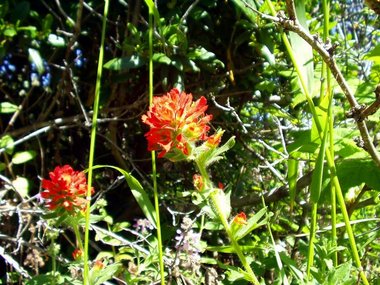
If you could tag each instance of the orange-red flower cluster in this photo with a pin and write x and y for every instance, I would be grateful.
(176, 123)
(66, 189)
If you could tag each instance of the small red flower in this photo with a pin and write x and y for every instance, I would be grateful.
(240, 219)
(198, 182)
(98, 265)
(214, 140)
(176, 122)
(220, 185)
(77, 254)
(66, 189)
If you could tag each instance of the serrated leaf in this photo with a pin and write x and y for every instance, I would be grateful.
(7, 108)
(23, 156)
(124, 63)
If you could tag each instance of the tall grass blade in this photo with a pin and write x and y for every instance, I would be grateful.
(302, 49)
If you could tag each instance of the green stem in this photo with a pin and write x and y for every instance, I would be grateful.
(285, 280)
(153, 154)
(329, 157)
(219, 211)
(53, 261)
(327, 74)
(92, 145)
(78, 237)
(310, 258)
(234, 243)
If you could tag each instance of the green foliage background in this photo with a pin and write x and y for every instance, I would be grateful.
(218, 49)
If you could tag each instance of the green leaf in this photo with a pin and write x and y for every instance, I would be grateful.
(374, 55)
(10, 31)
(98, 277)
(56, 41)
(244, 6)
(267, 54)
(322, 113)
(47, 23)
(354, 172)
(206, 156)
(124, 63)
(138, 192)
(161, 58)
(201, 54)
(292, 180)
(153, 10)
(252, 224)
(35, 57)
(22, 186)
(302, 143)
(7, 142)
(340, 274)
(230, 249)
(302, 50)
(23, 156)
(7, 108)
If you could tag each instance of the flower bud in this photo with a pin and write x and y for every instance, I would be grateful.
(240, 219)
(198, 182)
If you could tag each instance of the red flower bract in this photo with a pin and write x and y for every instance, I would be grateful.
(176, 122)
(66, 189)
(240, 219)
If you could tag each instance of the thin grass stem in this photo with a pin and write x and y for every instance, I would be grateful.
(313, 229)
(92, 146)
(327, 74)
(153, 154)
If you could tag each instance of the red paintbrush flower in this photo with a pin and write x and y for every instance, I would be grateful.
(176, 122)
(66, 189)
